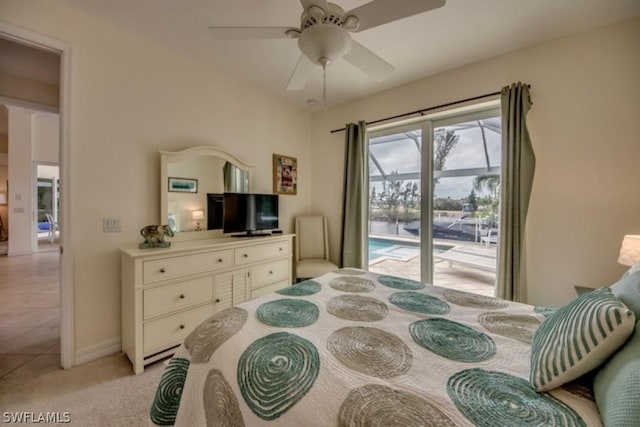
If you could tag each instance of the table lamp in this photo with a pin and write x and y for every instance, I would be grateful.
(630, 250)
(197, 216)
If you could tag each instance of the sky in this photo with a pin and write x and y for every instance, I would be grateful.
(403, 156)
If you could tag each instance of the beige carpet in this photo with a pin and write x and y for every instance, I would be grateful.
(100, 393)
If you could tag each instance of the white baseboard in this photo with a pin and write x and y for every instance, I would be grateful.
(97, 351)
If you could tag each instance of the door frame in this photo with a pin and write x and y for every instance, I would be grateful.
(427, 125)
(41, 41)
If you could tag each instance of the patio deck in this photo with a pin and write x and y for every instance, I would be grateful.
(446, 274)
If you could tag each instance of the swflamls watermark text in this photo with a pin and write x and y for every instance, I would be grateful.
(36, 417)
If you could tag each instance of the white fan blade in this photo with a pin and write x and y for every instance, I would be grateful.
(300, 74)
(249, 33)
(368, 62)
(320, 3)
(380, 12)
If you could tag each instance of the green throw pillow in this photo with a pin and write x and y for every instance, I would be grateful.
(578, 337)
(627, 290)
(617, 385)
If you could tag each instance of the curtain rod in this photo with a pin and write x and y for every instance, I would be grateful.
(424, 110)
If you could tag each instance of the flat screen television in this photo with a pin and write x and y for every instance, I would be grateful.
(250, 213)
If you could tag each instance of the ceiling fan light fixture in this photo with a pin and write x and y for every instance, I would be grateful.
(324, 41)
(324, 35)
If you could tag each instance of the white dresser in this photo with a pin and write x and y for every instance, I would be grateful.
(167, 292)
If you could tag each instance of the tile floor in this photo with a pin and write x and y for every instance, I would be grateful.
(29, 312)
(99, 393)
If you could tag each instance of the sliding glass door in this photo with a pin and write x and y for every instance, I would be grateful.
(48, 205)
(434, 200)
(395, 183)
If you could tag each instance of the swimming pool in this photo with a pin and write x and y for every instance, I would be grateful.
(400, 250)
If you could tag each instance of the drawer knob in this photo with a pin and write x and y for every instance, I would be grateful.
(217, 299)
(245, 256)
(219, 259)
(181, 326)
(270, 271)
(163, 270)
(280, 249)
(181, 296)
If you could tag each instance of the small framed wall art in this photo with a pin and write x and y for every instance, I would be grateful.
(285, 174)
(183, 185)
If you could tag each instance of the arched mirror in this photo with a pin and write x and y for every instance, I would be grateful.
(192, 183)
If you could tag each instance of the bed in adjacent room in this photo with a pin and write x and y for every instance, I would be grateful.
(356, 348)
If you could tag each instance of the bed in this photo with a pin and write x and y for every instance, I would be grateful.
(356, 348)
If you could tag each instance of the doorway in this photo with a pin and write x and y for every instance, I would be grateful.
(38, 41)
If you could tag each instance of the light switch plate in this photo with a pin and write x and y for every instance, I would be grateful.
(111, 225)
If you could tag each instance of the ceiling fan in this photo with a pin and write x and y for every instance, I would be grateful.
(324, 34)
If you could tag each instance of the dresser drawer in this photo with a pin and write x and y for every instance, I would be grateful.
(265, 274)
(257, 253)
(167, 293)
(171, 268)
(178, 296)
(269, 288)
(173, 329)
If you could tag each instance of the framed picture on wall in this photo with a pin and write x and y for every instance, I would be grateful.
(183, 185)
(285, 174)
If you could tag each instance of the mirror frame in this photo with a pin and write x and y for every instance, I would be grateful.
(167, 157)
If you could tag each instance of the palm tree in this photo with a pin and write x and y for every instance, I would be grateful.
(443, 144)
(490, 184)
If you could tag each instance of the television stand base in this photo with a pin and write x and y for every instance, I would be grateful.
(247, 234)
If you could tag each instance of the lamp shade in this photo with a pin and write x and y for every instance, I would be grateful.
(197, 215)
(630, 250)
(3, 198)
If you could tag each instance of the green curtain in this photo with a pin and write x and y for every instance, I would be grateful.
(355, 205)
(518, 164)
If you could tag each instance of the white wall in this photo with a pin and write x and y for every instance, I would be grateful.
(585, 129)
(46, 137)
(20, 187)
(33, 136)
(130, 99)
(29, 90)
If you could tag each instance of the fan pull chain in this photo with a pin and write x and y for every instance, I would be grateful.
(324, 61)
(324, 86)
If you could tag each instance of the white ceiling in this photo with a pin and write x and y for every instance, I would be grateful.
(461, 32)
